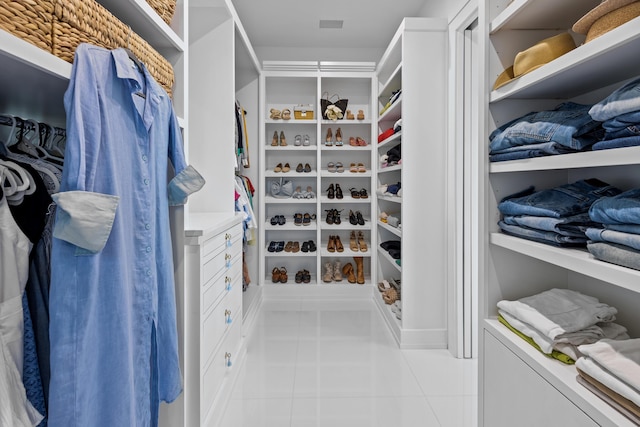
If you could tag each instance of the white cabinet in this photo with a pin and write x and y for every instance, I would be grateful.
(283, 86)
(415, 64)
(210, 318)
(512, 268)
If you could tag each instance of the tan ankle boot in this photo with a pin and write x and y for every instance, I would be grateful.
(359, 269)
(328, 273)
(347, 270)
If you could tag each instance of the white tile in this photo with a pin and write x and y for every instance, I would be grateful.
(257, 413)
(439, 373)
(264, 380)
(455, 411)
(363, 412)
(270, 351)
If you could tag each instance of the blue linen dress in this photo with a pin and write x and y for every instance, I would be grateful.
(114, 352)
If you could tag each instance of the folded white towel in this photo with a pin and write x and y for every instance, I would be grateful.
(593, 369)
(620, 358)
(558, 311)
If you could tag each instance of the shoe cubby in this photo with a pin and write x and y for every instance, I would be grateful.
(333, 161)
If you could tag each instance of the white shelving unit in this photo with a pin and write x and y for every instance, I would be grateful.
(415, 62)
(284, 85)
(512, 268)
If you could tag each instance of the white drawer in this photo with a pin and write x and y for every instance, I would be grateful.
(219, 264)
(227, 313)
(214, 377)
(223, 284)
(220, 241)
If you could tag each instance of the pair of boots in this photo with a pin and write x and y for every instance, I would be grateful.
(333, 272)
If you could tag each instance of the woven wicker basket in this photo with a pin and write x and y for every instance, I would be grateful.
(164, 8)
(29, 20)
(85, 21)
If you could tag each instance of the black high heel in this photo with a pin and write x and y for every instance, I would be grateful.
(359, 218)
(329, 216)
(338, 192)
(336, 216)
(331, 192)
(352, 218)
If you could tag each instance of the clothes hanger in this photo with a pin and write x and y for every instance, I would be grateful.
(24, 144)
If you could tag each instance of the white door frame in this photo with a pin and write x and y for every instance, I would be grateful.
(462, 138)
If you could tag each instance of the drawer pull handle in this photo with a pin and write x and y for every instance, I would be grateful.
(227, 260)
(227, 316)
(227, 359)
(227, 280)
(227, 238)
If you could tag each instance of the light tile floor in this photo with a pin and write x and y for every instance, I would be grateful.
(333, 364)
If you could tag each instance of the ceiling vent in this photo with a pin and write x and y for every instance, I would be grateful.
(331, 23)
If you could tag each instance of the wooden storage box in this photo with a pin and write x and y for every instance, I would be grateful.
(86, 21)
(303, 112)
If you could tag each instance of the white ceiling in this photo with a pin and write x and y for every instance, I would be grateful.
(295, 23)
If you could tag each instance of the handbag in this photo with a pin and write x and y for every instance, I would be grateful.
(281, 189)
(333, 107)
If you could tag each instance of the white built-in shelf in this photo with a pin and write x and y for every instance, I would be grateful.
(346, 225)
(34, 81)
(395, 138)
(385, 255)
(291, 121)
(344, 122)
(291, 147)
(292, 174)
(587, 159)
(581, 70)
(345, 147)
(394, 112)
(540, 14)
(394, 230)
(346, 174)
(290, 226)
(347, 199)
(146, 23)
(275, 200)
(283, 254)
(394, 199)
(394, 83)
(390, 317)
(559, 375)
(346, 253)
(390, 169)
(577, 260)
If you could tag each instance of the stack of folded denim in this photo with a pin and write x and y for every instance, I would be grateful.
(557, 321)
(567, 129)
(618, 239)
(620, 114)
(557, 216)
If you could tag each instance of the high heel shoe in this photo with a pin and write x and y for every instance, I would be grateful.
(353, 245)
(336, 216)
(329, 219)
(331, 244)
(359, 218)
(331, 191)
(338, 244)
(338, 137)
(328, 140)
(361, 242)
(274, 141)
(283, 139)
(352, 218)
(338, 192)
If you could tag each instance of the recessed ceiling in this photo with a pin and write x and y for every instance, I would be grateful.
(295, 23)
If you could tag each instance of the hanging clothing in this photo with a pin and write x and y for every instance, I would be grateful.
(15, 409)
(114, 352)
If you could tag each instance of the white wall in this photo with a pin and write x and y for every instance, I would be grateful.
(438, 8)
(319, 54)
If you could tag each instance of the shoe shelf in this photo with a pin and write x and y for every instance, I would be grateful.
(394, 230)
(290, 175)
(283, 254)
(291, 121)
(345, 147)
(290, 226)
(394, 139)
(347, 251)
(291, 148)
(394, 199)
(345, 200)
(290, 200)
(390, 169)
(385, 255)
(324, 173)
(394, 112)
(346, 225)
